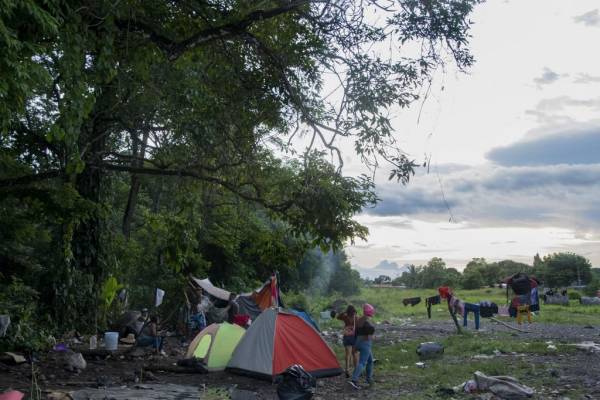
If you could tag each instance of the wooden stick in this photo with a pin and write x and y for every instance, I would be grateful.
(508, 326)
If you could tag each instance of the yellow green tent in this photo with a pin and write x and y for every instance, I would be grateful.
(215, 344)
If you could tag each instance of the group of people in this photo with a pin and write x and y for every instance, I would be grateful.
(357, 340)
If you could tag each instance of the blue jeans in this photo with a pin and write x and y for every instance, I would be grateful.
(365, 360)
(154, 341)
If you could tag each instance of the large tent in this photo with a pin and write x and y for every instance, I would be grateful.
(215, 344)
(278, 340)
(305, 316)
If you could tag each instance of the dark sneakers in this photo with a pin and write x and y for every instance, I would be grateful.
(354, 384)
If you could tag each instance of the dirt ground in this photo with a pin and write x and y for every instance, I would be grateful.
(577, 370)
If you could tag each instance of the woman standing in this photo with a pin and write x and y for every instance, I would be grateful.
(349, 318)
(364, 339)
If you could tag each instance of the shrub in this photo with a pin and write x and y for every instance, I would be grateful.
(296, 300)
(26, 331)
(574, 296)
(592, 288)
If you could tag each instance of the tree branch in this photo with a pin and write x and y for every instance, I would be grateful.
(174, 49)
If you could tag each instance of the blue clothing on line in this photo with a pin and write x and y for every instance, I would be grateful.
(474, 308)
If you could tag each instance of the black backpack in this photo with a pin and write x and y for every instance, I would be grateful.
(296, 384)
(521, 284)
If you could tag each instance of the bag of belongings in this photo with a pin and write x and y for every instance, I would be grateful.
(521, 284)
(296, 384)
(430, 350)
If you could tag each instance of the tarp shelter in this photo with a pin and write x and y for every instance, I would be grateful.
(277, 340)
(215, 344)
(252, 303)
(264, 297)
(306, 316)
(211, 289)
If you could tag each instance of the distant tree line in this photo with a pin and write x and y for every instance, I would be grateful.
(554, 270)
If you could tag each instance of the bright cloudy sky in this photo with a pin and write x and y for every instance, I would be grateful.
(515, 145)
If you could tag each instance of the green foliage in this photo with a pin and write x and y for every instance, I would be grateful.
(432, 275)
(297, 301)
(565, 269)
(27, 331)
(135, 144)
(574, 295)
(472, 279)
(593, 287)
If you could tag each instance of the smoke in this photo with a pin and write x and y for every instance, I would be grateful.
(319, 283)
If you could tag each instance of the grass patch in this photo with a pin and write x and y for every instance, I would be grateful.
(388, 302)
(396, 371)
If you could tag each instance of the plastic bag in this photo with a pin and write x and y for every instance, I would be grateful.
(296, 384)
(429, 350)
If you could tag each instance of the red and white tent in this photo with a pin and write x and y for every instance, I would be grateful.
(278, 340)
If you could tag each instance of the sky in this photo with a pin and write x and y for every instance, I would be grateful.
(514, 147)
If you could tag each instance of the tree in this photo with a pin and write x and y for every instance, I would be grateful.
(99, 101)
(565, 269)
(434, 274)
(382, 280)
(472, 279)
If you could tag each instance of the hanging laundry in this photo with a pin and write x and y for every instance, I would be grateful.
(413, 301)
(487, 309)
(430, 301)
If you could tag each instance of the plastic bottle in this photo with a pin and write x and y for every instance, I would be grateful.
(93, 342)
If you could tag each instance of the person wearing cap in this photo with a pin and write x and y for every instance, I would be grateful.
(364, 339)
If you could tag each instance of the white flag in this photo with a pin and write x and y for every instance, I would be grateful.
(158, 297)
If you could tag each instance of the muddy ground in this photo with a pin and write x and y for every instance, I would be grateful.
(578, 370)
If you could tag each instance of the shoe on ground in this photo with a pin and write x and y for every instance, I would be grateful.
(354, 384)
(162, 353)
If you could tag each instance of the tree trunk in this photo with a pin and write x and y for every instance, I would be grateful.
(135, 183)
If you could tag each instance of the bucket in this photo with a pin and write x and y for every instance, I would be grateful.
(111, 340)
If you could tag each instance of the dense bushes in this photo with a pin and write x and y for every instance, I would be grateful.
(29, 330)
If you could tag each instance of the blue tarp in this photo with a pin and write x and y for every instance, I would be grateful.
(305, 316)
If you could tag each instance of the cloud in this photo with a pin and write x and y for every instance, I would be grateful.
(590, 18)
(557, 111)
(579, 147)
(548, 194)
(587, 78)
(409, 202)
(548, 77)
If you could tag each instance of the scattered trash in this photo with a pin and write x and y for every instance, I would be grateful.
(420, 364)
(429, 350)
(483, 356)
(12, 395)
(60, 347)
(588, 346)
(139, 392)
(296, 384)
(74, 362)
(12, 358)
(93, 342)
(552, 347)
(470, 386)
(505, 387)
